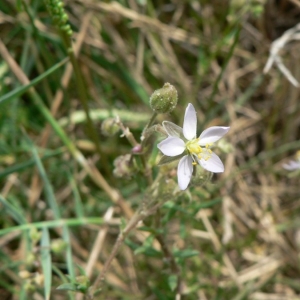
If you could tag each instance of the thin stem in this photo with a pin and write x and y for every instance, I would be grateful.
(127, 133)
(140, 215)
(146, 209)
(83, 97)
(167, 253)
(122, 235)
(148, 171)
(154, 115)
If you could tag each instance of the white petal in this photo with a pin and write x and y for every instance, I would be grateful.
(172, 129)
(213, 164)
(292, 165)
(171, 146)
(212, 134)
(184, 172)
(190, 122)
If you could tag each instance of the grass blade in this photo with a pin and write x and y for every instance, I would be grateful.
(46, 262)
(21, 90)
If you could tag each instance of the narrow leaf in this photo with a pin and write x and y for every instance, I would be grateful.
(168, 159)
(12, 211)
(21, 90)
(46, 262)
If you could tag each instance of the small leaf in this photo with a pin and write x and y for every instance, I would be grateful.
(151, 230)
(168, 159)
(67, 287)
(148, 241)
(185, 253)
(172, 281)
(148, 251)
(81, 270)
(172, 129)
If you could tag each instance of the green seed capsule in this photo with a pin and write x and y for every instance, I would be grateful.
(164, 100)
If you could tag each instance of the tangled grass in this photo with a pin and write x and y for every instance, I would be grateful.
(236, 236)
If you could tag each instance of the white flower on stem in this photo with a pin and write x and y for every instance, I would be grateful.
(293, 164)
(197, 150)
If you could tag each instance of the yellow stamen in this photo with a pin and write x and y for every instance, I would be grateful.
(193, 146)
(195, 149)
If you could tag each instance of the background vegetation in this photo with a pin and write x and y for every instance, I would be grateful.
(235, 236)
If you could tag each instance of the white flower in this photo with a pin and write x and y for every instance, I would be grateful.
(197, 150)
(293, 164)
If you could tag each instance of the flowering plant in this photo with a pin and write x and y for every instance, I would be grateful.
(182, 142)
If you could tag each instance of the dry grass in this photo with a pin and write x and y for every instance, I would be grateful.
(244, 224)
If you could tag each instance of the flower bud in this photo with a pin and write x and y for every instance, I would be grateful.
(82, 283)
(123, 166)
(30, 259)
(58, 245)
(35, 235)
(109, 127)
(137, 149)
(164, 100)
(24, 274)
(38, 279)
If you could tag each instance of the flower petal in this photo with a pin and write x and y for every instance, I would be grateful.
(212, 134)
(190, 122)
(292, 165)
(171, 146)
(184, 172)
(172, 129)
(213, 164)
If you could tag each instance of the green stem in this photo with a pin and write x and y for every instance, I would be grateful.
(83, 97)
(154, 115)
(148, 171)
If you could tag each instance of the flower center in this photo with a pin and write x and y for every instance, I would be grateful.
(195, 149)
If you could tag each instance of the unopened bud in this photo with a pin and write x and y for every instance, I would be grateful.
(109, 127)
(35, 235)
(38, 279)
(82, 283)
(137, 149)
(58, 245)
(30, 259)
(164, 100)
(123, 166)
(24, 274)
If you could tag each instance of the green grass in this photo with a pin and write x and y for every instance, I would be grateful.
(75, 223)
